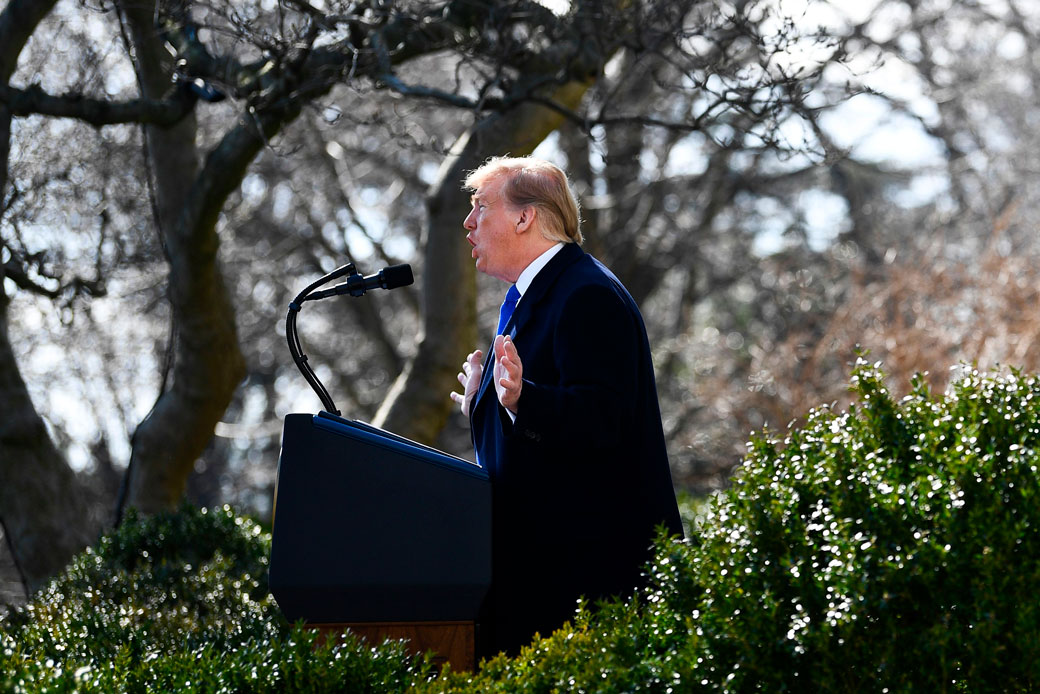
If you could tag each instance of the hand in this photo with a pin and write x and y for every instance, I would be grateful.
(469, 377)
(508, 373)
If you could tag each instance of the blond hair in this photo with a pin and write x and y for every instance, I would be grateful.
(539, 184)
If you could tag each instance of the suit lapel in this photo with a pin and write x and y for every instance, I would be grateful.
(535, 294)
(541, 285)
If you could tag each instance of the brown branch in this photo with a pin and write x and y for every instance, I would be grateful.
(34, 101)
(15, 270)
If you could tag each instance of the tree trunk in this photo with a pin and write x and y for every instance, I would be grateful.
(43, 505)
(208, 362)
(418, 405)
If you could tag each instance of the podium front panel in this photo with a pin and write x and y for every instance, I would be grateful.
(371, 527)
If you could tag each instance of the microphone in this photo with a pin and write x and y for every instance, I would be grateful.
(388, 278)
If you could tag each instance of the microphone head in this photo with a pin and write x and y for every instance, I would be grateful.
(397, 276)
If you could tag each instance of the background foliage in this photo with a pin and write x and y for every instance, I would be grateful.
(891, 209)
(892, 546)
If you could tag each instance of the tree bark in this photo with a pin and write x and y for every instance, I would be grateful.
(208, 362)
(43, 507)
(417, 405)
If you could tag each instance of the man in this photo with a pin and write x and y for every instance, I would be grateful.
(564, 412)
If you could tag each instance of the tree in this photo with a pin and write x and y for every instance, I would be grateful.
(932, 257)
(34, 471)
(516, 69)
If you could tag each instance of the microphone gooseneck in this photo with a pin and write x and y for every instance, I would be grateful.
(390, 277)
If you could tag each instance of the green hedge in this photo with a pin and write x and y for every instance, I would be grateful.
(891, 548)
(179, 603)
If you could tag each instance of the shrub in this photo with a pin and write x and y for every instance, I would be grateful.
(179, 602)
(890, 548)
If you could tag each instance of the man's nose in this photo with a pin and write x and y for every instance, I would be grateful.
(471, 222)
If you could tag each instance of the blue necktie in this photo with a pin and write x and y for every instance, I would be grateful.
(508, 304)
(512, 296)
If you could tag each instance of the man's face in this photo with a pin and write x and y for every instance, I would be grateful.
(492, 232)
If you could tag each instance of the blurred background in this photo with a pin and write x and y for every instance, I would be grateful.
(779, 184)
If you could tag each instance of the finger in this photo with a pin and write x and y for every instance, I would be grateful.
(508, 383)
(511, 363)
(508, 393)
(510, 350)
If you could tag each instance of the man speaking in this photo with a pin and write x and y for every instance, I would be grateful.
(563, 412)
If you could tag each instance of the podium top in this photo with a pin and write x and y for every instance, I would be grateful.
(380, 437)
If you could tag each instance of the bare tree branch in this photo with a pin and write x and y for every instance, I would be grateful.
(33, 100)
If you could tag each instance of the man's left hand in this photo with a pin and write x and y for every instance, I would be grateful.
(508, 373)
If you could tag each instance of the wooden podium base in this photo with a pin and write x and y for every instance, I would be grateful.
(451, 642)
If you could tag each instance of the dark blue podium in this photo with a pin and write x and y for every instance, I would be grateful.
(381, 535)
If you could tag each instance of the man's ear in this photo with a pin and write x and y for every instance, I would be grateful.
(526, 219)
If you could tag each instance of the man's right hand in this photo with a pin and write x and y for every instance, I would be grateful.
(469, 377)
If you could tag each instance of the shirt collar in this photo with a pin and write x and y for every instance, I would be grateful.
(532, 270)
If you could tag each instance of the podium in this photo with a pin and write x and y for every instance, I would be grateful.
(381, 535)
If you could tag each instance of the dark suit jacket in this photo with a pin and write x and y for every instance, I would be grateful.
(581, 480)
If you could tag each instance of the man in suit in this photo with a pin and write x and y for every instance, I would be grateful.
(563, 412)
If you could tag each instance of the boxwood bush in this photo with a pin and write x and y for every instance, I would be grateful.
(179, 602)
(891, 548)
